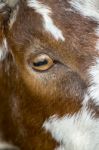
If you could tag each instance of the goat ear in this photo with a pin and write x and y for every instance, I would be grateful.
(88, 8)
(4, 13)
(8, 10)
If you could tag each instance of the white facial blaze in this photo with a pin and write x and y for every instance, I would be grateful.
(45, 12)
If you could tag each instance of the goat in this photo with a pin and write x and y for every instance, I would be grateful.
(49, 74)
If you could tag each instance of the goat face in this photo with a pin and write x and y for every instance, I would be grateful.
(49, 75)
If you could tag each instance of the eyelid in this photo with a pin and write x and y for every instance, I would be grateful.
(41, 62)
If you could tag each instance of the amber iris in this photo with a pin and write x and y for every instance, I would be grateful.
(42, 62)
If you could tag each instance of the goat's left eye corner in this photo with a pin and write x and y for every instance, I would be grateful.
(41, 62)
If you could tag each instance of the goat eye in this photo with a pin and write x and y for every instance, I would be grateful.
(42, 62)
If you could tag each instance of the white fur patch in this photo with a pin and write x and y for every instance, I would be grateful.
(88, 8)
(60, 148)
(93, 90)
(3, 49)
(45, 12)
(86, 100)
(77, 132)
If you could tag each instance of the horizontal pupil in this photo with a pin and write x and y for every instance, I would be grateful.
(40, 63)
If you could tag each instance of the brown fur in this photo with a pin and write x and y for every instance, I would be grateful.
(27, 97)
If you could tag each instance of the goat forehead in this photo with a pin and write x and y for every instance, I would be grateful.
(48, 23)
(55, 25)
(76, 33)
